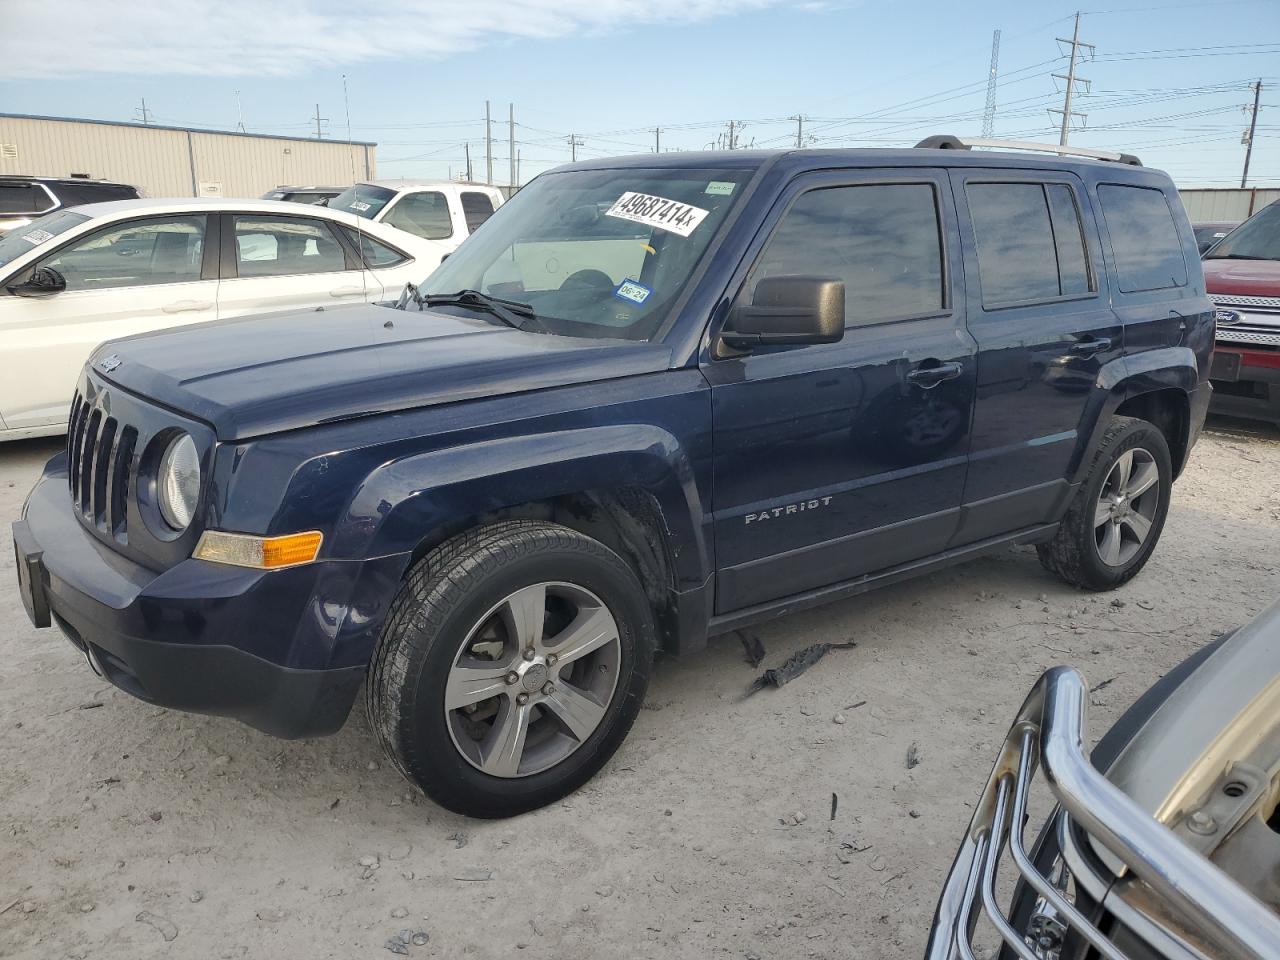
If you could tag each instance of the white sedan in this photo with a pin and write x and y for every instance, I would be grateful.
(82, 275)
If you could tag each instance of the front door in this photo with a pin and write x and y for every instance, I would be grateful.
(834, 461)
(127, 278)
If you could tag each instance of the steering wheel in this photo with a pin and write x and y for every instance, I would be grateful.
(588, 280)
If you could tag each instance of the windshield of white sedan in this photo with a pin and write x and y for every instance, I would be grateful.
(35, 234)
(364, 200)
(1258, 238)
(595, 253)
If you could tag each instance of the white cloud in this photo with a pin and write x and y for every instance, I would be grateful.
(279, 37)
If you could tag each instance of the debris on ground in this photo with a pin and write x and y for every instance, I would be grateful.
(838, 718)
(796, 664)
(459, 839)
(835, 802)
(1106, 683)
(400, 943)
(167, 928)
(753, 646)
(794, 820)
(474, 876)
(913, 755)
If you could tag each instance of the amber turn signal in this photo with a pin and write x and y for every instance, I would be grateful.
(263, 553)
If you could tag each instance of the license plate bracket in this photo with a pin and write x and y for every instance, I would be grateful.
(1225, 365)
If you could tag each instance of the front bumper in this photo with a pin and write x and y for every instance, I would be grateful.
(1168, 898)
(1248, 382)
(266, 648)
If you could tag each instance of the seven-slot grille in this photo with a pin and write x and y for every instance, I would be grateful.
(1259, 323)
(99, 466)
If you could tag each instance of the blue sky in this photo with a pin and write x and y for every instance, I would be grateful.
(1168, 79)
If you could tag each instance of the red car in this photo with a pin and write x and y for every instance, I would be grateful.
(1242, 277)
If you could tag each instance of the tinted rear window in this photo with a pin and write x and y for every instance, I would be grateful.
(23, 198)
(477, 208)
(1030, 246)
(1144, 238)
(74, 193)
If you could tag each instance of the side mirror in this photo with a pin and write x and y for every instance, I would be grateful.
(43, 282)
(788, 310)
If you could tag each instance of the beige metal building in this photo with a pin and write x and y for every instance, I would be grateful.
(1229, 203)
(176, 161)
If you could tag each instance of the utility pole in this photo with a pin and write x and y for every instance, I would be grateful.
(1253, 126)
(799, 119)
(144, 112)
(989, 113)
(1072, 80)
(511, 144)
(575, 142)
(657, 139)
(239, 114)
(319, 119)
(733, 141)
(467, 150)
(518, 152)
(488, 145)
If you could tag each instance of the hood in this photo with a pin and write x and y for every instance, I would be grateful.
(1242, 278)
(257, 375)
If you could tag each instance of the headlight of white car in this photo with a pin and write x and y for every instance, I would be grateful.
(178, 482)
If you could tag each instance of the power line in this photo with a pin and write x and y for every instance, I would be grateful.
(319, 120)
(1071, 81)
(989, 113)
(1253, 128)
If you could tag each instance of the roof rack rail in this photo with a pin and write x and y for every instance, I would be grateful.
(949, 142)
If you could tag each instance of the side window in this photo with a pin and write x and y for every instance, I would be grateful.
(1144, 238)
(882, 240)
(477, 208)
(134, 254)
(22, 197)
(1030, 245)
(423, 214)
(375, 252)
(283, 246)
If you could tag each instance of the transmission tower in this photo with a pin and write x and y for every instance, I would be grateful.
(1071, 80)
(989, 114)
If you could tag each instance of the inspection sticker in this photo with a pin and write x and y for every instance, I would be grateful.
(37, 237)
(632, 291)
(358, 205)
(659, 212)
(720, 188)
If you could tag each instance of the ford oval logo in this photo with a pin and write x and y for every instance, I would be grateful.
(1226, 318)
(107, 364)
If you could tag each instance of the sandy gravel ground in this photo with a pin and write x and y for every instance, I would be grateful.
(131, 832)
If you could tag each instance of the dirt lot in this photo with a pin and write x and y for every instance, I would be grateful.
(122, 825)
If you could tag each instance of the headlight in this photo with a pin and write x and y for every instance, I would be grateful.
(178, 482)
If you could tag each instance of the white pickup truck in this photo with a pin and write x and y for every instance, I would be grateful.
(441, 211)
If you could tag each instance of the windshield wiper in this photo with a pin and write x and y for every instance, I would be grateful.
(511, 312)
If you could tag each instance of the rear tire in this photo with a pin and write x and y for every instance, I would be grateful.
(511, 666)
(1117, 516)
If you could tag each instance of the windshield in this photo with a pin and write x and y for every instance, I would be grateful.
(1258, 238)
(595, 253)
(37, 233)
(364, 200)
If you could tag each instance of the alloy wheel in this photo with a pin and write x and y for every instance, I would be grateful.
(1126, 507)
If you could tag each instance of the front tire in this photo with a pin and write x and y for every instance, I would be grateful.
(1117, 516)
(511, 666)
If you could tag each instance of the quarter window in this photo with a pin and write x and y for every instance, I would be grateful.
(134, 254)
(882, 240)
(476, 208)
(375, 253)
(1144, 238)
(1030, 245)
(283, 246)
(422, 214)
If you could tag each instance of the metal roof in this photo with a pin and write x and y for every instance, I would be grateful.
(160, 126)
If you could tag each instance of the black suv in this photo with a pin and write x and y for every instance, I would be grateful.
(650, 400)
(23, 199)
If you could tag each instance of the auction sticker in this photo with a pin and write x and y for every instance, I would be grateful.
(658, 212)
(358, 205)
(37, 237)
(632, 291)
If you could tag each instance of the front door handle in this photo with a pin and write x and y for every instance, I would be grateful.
(929, 377)
(352, 291)
(187, 306)
(1087, 348)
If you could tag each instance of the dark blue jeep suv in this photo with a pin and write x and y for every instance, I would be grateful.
(651, 400)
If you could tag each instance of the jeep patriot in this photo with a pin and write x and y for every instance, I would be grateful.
(651, 400)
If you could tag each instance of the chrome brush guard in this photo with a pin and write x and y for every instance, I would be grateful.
(1224, 918)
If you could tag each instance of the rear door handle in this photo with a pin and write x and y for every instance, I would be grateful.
(930, 377)
(352, 291)
(1087, 348)
(187, 306)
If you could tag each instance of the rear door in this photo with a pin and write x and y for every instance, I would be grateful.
(272, 263)
(1039, 309)
(837, 460)
(130, 277)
